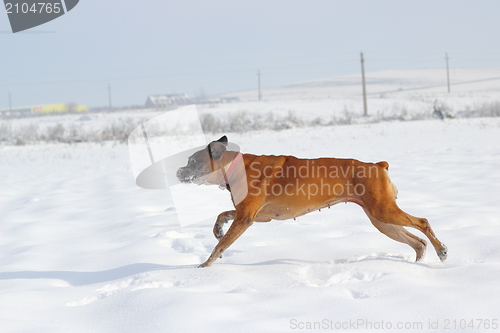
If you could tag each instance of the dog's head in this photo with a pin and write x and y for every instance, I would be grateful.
(201, 165)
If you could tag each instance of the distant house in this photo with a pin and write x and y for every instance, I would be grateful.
(218, 100)
(44, 109)
(51, 108)
(165, 101)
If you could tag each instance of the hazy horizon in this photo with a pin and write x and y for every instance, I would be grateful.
(217, 47)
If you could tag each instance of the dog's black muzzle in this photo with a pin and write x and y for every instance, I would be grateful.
(184, 176)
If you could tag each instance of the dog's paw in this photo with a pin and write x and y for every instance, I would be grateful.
(443, 253)
(420, 250)
(205, 264)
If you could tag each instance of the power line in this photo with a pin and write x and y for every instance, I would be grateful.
(173, 75)
(365, 106)
(239, 70)
(258, 84)
(109, 96)
(447, 71)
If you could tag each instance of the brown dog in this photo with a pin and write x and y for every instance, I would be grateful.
(284, 187)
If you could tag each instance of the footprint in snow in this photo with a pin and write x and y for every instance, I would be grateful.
(324, 276)
(132, 284)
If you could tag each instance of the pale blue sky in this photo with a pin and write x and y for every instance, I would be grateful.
(158, 46)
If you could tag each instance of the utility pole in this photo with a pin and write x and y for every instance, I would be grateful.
(365, 107)
(258, 84)
(109, 96)
(10, 102)
(447, 71)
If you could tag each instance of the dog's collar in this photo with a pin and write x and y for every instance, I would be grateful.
(224, 184)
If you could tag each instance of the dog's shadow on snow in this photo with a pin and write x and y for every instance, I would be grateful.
(76, 278)
(87, 278)
(379, 257)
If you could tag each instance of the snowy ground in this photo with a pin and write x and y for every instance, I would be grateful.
(401, 93)
(82, 249)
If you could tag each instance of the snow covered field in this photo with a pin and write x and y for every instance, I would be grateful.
(401, 95)
(85, 250)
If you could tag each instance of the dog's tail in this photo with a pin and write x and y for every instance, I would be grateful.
(384, 165)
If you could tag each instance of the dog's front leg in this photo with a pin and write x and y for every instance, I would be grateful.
(221, 219)
(237, 228)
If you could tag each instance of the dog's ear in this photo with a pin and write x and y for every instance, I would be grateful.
(217, 148)
(223, 140)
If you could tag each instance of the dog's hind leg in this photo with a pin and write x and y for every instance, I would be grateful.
(221, 219)
(400, 234)
(390, 213)
(423, 225)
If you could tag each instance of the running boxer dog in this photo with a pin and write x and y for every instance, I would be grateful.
(285, 187)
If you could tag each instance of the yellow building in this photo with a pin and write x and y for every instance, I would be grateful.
(61, 107)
